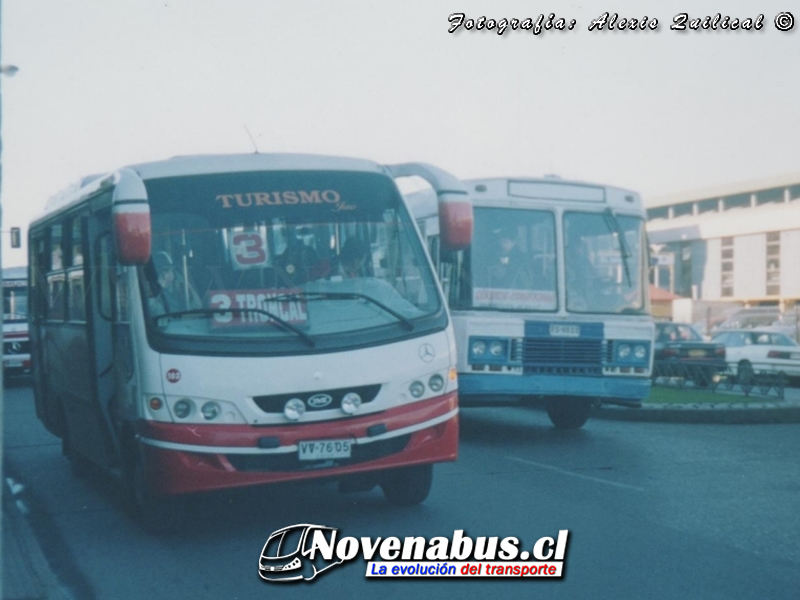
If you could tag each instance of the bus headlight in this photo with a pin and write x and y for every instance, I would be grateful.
(478, 348)
(497, 348)
(183, 408)
(294, 409)
(351, 403)
(417, 389)
(624, 351)
(436, 383)
(210, 411)
(639, 351)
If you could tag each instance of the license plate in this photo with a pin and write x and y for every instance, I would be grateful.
(565, 330)
(316, 450)
(697, 352)
(12, 364)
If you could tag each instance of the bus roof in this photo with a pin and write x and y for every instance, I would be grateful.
(502, 187)
(181, 166)
(521, 190)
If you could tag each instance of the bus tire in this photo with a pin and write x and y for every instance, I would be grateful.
(156, 513)
(80, 465)
(407, 486)
(569, 413)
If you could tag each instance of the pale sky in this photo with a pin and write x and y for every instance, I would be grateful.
(104, 84)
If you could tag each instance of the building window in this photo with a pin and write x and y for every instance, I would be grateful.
(727, 267)
(684, 278)
(773, 263)
(768, 196)
(680, 210)
(708, 205)
(737, 201)
(662, 212)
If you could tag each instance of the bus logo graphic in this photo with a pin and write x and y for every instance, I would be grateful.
(292, 554)
(319, 401)
(173, 376)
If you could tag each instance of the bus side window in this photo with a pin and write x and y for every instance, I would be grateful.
(73, 259)
(55, 277)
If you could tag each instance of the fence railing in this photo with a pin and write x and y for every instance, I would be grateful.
(700, 376)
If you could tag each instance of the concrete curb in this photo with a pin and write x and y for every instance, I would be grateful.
(763, 411)
(26, 572)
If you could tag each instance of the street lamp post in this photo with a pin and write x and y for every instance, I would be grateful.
(10, 71)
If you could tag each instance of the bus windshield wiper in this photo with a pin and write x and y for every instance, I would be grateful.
(217, 311)
(613, 226)
(406, 322)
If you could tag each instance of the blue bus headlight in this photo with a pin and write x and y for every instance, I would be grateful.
(624, 351)
(639, 352)
(478, 348)
(497, 348)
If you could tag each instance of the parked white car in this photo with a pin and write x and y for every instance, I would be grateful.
(752, 351)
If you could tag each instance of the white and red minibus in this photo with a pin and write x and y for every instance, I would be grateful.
(211, 322)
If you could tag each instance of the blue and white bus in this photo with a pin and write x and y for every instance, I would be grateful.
(211, 322)
(550, 301)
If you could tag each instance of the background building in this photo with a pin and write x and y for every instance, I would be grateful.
(738, 243)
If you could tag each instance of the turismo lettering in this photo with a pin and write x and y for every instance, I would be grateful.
(289, 197)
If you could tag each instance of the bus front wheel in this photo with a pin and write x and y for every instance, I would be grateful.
(156, 513)
(569, 413)
(407, 486)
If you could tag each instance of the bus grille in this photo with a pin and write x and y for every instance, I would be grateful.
(275, 403)
(560, 356)
(16, 347)
(289, 462)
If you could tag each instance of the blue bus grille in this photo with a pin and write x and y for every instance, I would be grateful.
(560, 356)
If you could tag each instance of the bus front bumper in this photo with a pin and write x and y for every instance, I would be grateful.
(630, 390)
(182, 459)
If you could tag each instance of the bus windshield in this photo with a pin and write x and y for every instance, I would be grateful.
(284, 260)
(15, 302)
(604, 262)
(513, 260)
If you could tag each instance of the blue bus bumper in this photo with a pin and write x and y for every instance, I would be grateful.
(618, 389)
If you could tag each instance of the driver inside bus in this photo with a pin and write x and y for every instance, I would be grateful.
(174, 293)
(509, 258)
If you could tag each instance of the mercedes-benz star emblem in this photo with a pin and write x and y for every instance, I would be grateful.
(427, 352)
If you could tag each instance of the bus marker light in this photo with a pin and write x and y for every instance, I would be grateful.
(156, 404)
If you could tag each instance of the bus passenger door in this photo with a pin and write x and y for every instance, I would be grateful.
(102, 444)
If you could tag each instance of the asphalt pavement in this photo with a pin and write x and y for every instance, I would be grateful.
(28, 576)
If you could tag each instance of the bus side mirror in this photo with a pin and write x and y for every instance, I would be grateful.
(131, 219)
(455, 221)
(16, 237)
(132, 233)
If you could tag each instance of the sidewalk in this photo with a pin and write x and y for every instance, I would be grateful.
(26, 572)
